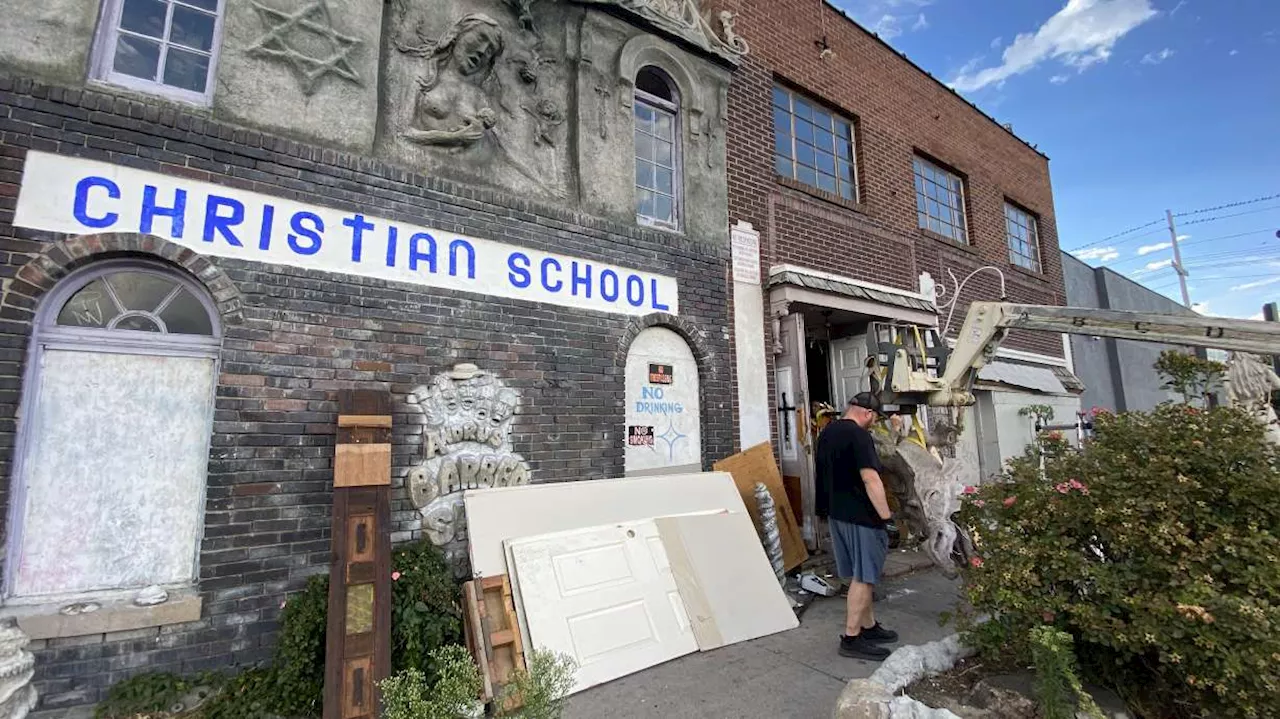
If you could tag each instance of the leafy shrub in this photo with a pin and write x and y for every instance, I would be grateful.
(1156, 546)
(143, 694)
(426, 610)
(1188, 375)
(452, 695)
(298, 661)
(543, 688)
(1057, 684)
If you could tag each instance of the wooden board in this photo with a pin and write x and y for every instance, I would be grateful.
(472, 630)
(361, 465)
(757, 465)
(497, 635)
(726, 582)
(792, 485)
(358, 635)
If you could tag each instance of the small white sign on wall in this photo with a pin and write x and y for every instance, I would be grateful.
(746, 254)
(78, 196)
(664, 418)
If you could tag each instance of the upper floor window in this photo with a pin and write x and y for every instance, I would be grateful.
(166, 47)
(940, 201)
(813, 146)
(657, 107)
(1024, 237)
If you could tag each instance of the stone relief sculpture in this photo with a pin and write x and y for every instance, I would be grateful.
(17, 695)
(684, 19)
(466, 444)
(477, 90)
(453, 105)
(280, 41)
(1250, 382)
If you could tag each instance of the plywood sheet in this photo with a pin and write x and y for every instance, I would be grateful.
(361, 465)
(728, 587)
(757, 465)
(605, 596)
(499, 514)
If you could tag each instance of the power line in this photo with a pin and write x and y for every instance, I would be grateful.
(1147, 257)
(1235, 214)
(1226, 206)
(1119, 234)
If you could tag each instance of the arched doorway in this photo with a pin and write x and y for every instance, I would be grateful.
(664, 416)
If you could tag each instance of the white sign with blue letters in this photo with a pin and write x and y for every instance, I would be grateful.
(78, 196)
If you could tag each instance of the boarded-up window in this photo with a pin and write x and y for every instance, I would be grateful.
(114, 443)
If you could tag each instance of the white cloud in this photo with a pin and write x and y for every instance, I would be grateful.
(1200, 307)
(922, 23)
(1059, 79)
(888, 18)
(1153, 266)
(1177, 7)
(1101, 254)
(887, 27)
(1254, 285)
(996, 43)
(1155, 58)
(1233, 53)
(1258, 317)
(1148, 249)
(1079, 35)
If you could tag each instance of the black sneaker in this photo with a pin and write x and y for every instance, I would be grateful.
(860, 647)
(879, 634)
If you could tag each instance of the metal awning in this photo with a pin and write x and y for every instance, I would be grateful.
(1039, 379)
(854, 295)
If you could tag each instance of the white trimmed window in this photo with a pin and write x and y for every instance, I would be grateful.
(813, 146)
(164, 47)
(1024, 237)
(657, 112)
(113, 442)
(940, 201)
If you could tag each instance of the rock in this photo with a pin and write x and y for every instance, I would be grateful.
(909, 664)
(1112, 706)
(908, 708)
(151, 596)
(1006, 697)
(17, 695)
(864, 699)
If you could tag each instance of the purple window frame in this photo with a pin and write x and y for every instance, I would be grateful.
(47, 334)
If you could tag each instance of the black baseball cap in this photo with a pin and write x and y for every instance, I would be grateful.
(866, 400)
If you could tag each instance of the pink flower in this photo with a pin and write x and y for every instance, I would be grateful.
(1075, 484)
(1047, 616)
(1010, 501)
(1084, 490)
(975, 562)
(395, 576)
(979, 503)
(970, 490)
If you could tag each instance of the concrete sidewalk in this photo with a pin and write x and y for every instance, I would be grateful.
(793, 674)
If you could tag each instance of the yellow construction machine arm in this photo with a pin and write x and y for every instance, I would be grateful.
(988, 323)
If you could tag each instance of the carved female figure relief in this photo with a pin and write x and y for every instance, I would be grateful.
(452, 107)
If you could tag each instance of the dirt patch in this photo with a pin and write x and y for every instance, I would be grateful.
(954, 687)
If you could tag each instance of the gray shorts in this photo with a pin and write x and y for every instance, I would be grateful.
(860, 551)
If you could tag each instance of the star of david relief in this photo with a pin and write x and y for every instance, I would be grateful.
(466, 444)
(306, 40)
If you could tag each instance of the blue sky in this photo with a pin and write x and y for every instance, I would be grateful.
(1141, 106)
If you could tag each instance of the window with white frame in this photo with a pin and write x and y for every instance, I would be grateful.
(657, 108)
(1024, 237)
(814, 146)
(940, 201)
(113, 444)
(166, 47)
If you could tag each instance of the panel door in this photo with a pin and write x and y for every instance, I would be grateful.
(604, 596)
(848, 369)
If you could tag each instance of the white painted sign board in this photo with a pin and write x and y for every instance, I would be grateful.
(663, 405)
(746, 255)
(78, 196)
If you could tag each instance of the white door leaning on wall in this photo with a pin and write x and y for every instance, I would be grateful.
(663, 432)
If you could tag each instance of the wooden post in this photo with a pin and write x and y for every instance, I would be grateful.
(358, 637)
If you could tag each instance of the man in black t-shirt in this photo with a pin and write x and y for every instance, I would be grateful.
(852, 496)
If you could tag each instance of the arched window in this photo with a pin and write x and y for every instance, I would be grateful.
(657, 107)
(113, 440)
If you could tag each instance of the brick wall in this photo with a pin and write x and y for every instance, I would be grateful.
(294, 337)
(898, 111)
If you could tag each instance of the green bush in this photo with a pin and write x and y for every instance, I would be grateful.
(426, 609)
(1057, 683)
(452, 695)
(143, 694)
(298, 662)
(1188, 375)
(1156, 546)
(543, 688)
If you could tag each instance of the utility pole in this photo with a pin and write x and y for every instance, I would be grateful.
(1177, 260)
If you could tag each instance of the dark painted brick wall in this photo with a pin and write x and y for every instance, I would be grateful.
(303, 335)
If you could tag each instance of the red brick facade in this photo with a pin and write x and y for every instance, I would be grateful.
(899, 112)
